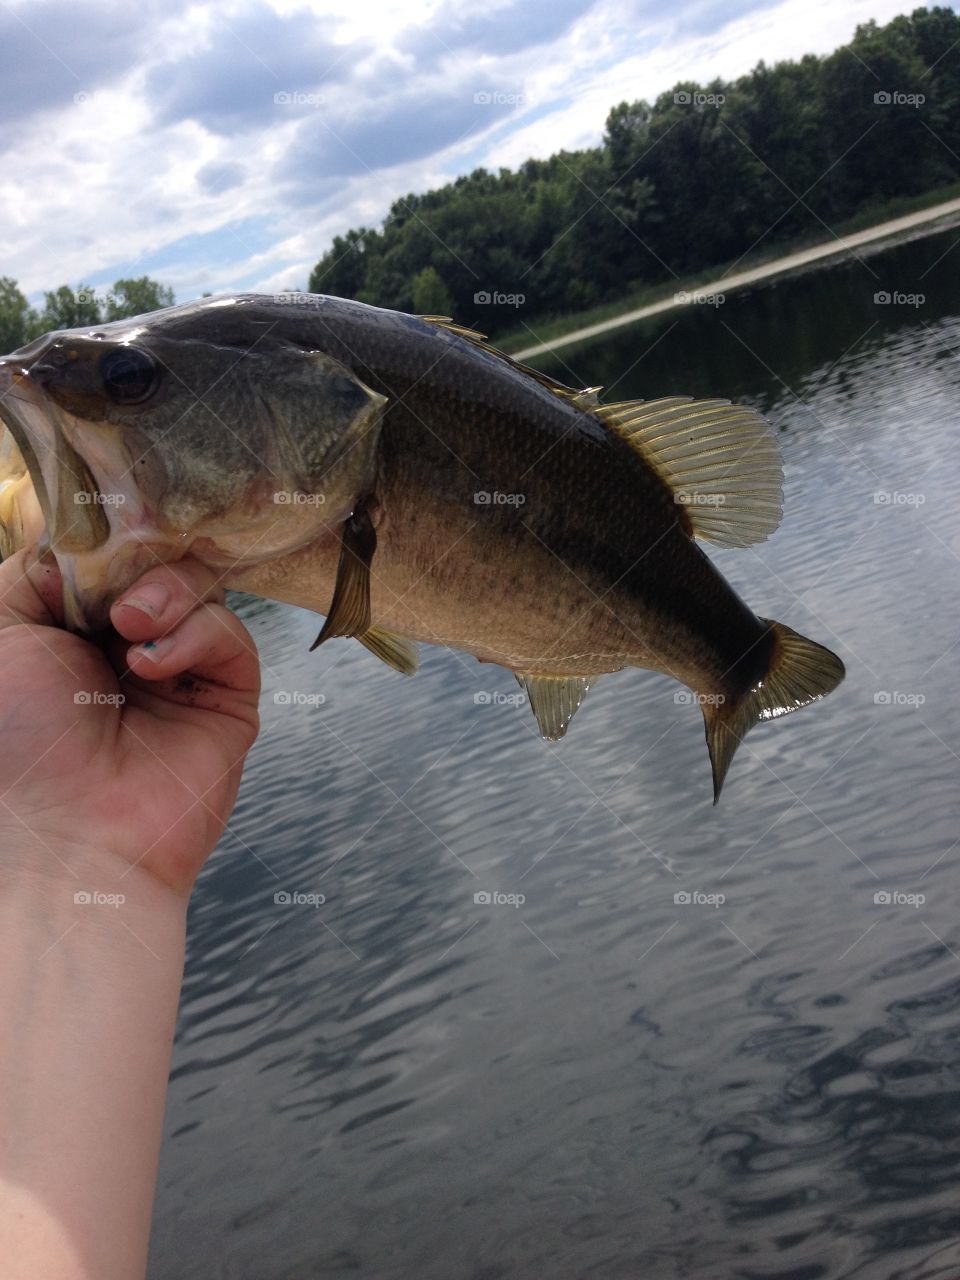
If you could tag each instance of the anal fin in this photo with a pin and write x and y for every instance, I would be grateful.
(554, 701)
(394, 650)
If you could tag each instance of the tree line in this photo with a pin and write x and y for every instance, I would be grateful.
(67, 308)
(700, 177)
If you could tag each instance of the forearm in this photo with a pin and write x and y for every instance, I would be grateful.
(88, 1002)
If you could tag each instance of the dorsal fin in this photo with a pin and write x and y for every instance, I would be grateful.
(586, 398)
(719, 459)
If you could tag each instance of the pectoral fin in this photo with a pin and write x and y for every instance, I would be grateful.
(554, 701)
(394, 650)
(350, 608)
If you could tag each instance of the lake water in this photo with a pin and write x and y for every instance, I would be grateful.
(603, 1081)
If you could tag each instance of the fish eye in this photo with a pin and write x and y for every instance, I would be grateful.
(129, 375)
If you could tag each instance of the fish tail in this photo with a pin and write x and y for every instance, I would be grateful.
(800, 671)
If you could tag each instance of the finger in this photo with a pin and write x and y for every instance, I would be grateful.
(30, 590)
(211, 643)
(160, 600)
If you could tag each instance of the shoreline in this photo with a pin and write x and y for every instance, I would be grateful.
(725, 284)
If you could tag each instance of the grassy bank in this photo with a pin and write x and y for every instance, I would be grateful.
(546, 328)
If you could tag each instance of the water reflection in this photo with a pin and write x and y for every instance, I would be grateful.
(604, 1081)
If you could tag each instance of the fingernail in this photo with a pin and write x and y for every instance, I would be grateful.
(153, 649)
(151, 599)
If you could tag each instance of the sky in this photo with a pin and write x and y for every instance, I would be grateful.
(221, 145)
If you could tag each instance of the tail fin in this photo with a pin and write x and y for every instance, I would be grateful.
(801, 671)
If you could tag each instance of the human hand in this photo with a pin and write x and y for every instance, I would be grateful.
(115, 752)
(119, 768)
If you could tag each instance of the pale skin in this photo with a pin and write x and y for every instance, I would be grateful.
(102, 798)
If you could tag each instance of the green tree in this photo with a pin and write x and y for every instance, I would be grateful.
(695, 179)
(136, 298)
(67, 308)
(431, 297)
(17, 320)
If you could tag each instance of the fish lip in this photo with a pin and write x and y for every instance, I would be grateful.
(31, 418)
(13, 384)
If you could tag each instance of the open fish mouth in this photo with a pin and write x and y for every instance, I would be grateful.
(51, 498)
(21, 519)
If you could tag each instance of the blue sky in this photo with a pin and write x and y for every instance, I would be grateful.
(221, 145)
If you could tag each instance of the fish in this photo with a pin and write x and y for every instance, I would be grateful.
(410, 482)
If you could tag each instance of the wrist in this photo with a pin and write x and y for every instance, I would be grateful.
(50, 886)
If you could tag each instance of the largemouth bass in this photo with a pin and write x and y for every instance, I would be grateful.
(398, 475)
